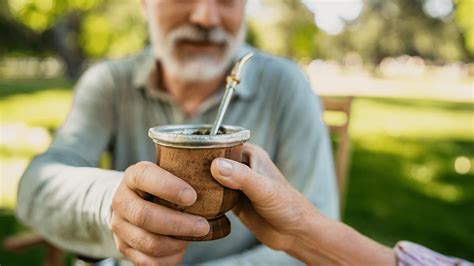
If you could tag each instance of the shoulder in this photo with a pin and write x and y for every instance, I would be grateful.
(284, 67)
(280, 77)
(272, 67)
(114, 74)
(122, 68)
(284, 83)
(279, 72)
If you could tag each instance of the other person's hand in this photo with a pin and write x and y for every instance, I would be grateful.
(283, 219)
(274, 211)
(141, 228)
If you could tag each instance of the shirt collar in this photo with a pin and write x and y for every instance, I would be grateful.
(147, 75)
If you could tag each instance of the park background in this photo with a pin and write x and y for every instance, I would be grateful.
(407, 62)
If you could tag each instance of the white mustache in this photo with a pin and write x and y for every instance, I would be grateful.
(189, 32)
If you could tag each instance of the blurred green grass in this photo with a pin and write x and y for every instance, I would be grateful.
(35, 102)
(30, 111)
(402, 184)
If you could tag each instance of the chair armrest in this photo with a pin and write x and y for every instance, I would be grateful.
(23, 241)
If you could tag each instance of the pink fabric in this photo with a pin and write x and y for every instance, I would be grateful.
(412, 254)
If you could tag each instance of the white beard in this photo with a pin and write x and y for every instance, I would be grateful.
(202, 67)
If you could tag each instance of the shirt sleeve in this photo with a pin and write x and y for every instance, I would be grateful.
(304, 156)
(62, 195)
(408, 253)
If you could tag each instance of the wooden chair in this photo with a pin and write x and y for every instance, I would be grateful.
(17, 243)
(340, 134)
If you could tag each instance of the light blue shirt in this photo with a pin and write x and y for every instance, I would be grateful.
(67, 199)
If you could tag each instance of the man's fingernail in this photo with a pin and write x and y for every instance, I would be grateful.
(201, 228)
(187, 196)
(225, 168)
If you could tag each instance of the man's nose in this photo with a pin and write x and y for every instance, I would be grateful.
(206, 14)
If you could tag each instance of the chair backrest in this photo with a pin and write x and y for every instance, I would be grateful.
(339, 129)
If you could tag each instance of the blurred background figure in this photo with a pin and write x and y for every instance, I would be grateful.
(408, 65)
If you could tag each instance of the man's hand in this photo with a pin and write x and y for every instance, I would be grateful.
(141, 228)
(274, 211)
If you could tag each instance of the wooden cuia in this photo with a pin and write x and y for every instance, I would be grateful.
(187, 152)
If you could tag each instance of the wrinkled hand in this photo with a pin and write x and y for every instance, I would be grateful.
(141, 228)
(274, 211)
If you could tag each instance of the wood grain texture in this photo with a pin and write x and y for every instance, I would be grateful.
(194, 167)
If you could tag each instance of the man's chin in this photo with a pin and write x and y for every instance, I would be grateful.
(202, 70)
(200, 56)
(205, 65)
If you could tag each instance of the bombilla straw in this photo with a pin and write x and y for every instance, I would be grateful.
(232, 81)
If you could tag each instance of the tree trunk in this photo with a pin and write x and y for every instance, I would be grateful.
(64, 38)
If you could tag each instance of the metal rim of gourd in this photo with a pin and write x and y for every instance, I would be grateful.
(180, 136)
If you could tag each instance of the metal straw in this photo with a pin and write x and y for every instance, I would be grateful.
(232, 81)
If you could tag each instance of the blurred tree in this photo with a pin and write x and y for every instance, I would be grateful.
(44, 27)
(14, 36)
(71, 29)
(113, 29)
(397, 27)
(300, 31)
(285, 27)
(76, 30)
(251, 37)
(385, 28)
(465, 20)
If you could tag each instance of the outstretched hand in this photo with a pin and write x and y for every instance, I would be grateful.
(283, 219)
(273, 210)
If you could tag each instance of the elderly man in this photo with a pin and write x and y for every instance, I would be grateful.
(99, 213)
